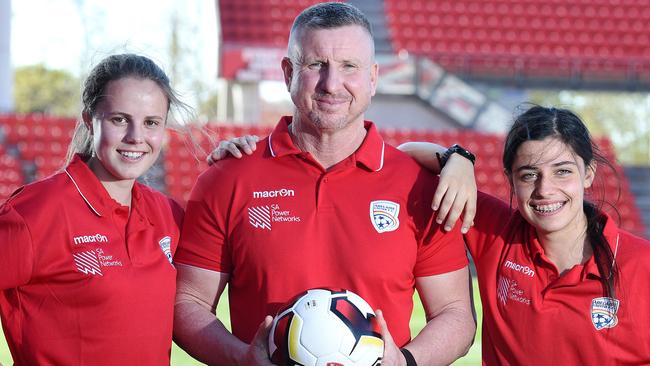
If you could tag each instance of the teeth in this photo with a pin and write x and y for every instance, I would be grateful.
(548, 208)
(131, 154)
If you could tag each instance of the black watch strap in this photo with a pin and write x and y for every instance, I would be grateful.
(455, 149)
(408, 356)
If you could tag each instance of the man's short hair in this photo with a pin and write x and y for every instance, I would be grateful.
(330, 15)
(327, 16)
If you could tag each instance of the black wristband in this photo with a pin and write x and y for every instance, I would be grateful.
(408, 356)
(455, 149)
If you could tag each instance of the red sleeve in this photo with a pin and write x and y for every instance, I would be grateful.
(443, 252)
(492, 218)
(178, 213)
(16, 251)
(202, 241)
(438, 251)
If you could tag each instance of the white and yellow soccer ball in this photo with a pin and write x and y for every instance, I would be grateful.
(324, 327)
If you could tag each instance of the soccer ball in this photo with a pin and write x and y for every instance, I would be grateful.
(323, 327)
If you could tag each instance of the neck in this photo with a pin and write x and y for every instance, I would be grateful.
(119, 190)
(567, 248)
(328, 147)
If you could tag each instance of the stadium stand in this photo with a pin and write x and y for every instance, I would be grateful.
(584, 43)
(40, 142)
(11, 176)
(587, 41)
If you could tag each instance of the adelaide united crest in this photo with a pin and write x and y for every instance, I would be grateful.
(603, 312)
(384, 215)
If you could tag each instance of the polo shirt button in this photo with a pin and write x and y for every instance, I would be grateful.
(325, 180)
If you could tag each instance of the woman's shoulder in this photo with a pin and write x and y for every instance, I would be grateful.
(43, 191)
(631, 251)
(36, 202)
(630, 242)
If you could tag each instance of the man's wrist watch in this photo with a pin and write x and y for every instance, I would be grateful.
(455, 149)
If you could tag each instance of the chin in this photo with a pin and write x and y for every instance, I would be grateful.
(129, 174)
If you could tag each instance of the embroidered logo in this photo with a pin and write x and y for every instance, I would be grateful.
(502, 289)
(384, 216)
(603, 312)
(91, 262)
(94, 238)
(261, 217)
(508, 289)
(165, 245)
(87, 262)
(519, 268)
(283, 192)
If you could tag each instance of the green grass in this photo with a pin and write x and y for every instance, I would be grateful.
(180, 358)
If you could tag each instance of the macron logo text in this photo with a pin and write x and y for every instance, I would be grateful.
(97, 238)
(284, 192)
(519, 268)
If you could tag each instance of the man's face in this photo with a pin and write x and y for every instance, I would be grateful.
(331, 76)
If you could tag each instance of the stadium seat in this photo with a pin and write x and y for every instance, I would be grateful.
(456, 33)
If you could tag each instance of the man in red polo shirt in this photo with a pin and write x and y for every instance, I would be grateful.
(323, 202)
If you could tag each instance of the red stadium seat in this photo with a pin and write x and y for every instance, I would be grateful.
(522, 32)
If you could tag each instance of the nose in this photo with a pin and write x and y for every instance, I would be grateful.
(134, 133)
(330, 80)
(543, 185)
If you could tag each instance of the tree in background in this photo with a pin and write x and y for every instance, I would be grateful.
(187, 61)
(623, 117)
(38, 89)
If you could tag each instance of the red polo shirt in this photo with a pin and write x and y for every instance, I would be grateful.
(279, 224)
(84, 282)
(532, 316)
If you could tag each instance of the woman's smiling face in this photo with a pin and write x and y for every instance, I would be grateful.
(549, 182)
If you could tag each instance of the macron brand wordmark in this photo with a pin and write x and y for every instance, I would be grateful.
(519, 268)
(284, 192)
(96, 238)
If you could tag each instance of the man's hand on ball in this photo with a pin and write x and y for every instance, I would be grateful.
(258, 353)
(392, 355)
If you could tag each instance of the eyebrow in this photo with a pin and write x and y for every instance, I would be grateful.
(129, 116)
(533, 167)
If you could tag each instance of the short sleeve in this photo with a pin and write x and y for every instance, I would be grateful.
(202, 241)
(16, 249)
(492, 218)
(438, 251)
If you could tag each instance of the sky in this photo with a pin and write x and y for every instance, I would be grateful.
(76, 34)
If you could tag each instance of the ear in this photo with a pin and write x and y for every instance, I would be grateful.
(287, 70)
(590, 174)
(88, 120)
(374, 75)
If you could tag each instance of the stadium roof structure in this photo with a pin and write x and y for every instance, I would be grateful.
(595, 44)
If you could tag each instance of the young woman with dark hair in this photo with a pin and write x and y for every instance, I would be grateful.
(560, 283)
